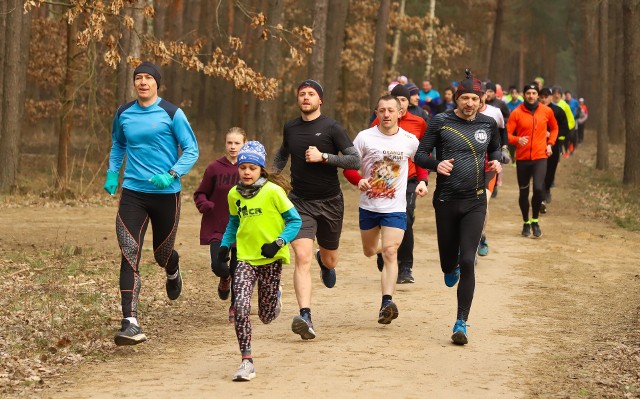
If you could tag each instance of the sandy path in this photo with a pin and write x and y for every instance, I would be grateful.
(353, 356)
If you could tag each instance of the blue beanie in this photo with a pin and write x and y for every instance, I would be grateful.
(253, 152)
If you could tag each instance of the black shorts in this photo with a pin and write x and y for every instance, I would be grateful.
(321, 219)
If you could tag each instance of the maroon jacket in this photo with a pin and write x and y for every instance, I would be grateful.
(211, 199)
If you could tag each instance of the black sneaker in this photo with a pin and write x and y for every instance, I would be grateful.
(543, 207)
(526, 230)
(224, 288)
(303, 326)
(537, 233)
(388, 312)
(129, 334)
(405, 276)
(380, 262)
(174, 286)
(328, 275)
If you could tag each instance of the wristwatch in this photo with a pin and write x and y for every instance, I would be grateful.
(325, 157)
(173, 174)
(280, 242)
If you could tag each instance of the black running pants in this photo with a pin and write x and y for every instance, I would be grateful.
(526, 171)
(134, 213)
(459, 226)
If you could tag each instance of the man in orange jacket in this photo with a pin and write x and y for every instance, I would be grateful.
(527, 130)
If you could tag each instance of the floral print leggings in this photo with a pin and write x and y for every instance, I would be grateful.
(268, 278)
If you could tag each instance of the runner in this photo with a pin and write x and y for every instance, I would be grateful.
(462, 138)
(147, 130)
(262, 221)
(211, 200)
(527, 129)
(314, 141)
(385, 150)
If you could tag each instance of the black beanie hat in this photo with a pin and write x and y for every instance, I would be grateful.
(545, 91)
(469, 85)
(400, 90)
(151, 69)
(491, 86)
(313, 84)
(531, 86)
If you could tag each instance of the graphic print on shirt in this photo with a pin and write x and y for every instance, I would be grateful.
(243, 211)
(383, 173)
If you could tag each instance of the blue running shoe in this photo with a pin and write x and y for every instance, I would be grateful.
(459, 336)
(328, 275)
(450, 279)
(483, 247)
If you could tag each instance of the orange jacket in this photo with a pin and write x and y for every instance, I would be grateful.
(523, 123)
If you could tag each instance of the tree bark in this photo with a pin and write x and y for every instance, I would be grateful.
(379, 52)
(336, 22)
(11, 105)
(631, 13)
(396, 39)
(602, 156)
(3, 27)
(267, 110)
(616, 105)
(496, 47)
(66, 119)
(321, 8)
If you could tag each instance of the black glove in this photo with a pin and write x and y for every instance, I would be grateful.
(506, 157)
(270, 250)
(223, 254)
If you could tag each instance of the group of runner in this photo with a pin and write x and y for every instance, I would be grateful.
(249, 220)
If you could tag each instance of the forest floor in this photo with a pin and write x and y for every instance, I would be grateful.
(555, 317)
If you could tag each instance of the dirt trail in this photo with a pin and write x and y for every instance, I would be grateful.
(535, 300)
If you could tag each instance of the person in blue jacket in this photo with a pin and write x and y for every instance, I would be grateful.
(150, 132)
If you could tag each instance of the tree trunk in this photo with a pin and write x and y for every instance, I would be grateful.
(432, 15)
(267, 109)
(396, 39)
(496, 48)
(592, 54)
(66, 118)
(336, 22)
(11, 106)
(135, 45)
(3, 27)
(631, 13)
(379, 52)
(521, 65)
(616, 105)
(602, 157)
(321, 8)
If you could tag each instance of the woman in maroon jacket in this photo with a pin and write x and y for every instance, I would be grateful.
(211, 200)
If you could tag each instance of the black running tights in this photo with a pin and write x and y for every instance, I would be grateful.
(459, 227)
(134, 213)
(526, 170)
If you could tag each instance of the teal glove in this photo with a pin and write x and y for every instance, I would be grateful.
(161, 181)
(111, 183)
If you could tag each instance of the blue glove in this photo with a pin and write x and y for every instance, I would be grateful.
(111, 183)
(269, 250)
(161, 181)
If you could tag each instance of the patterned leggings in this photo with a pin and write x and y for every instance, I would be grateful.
(268, 278)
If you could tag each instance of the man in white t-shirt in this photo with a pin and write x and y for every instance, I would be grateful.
(384, 150)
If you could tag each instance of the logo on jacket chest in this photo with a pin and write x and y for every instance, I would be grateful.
(481, 136)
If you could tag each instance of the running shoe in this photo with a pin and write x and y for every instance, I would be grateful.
(246, 371)
(405, 276)
(174, 285)
(483, 247)
(450, 279)
(328, 275)
(303, 326)
(224, 288)
(459, 336)
(388, 312)
(279, 303)
(526, 230)
(537, 233)
(380, 262)
(543, 207)
(129, 334)
(232, 314)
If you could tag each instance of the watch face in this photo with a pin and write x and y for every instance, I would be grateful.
(280, 242)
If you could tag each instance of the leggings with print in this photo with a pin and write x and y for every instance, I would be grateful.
(244, 281)
(135, 211)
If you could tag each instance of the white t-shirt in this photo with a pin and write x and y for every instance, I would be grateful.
(495, 113)
(385, 164)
